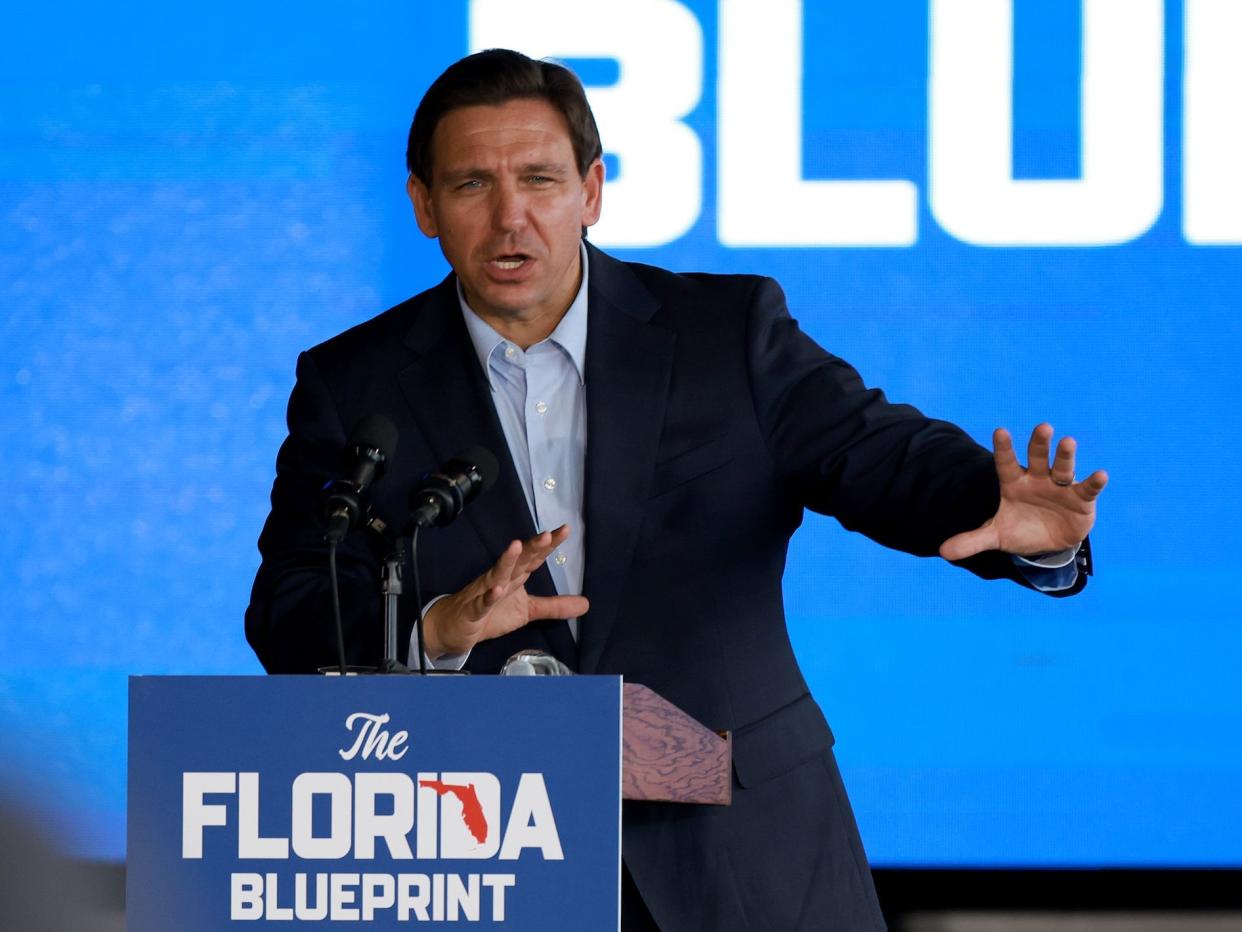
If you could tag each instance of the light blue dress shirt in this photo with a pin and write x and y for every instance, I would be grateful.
(540, 398)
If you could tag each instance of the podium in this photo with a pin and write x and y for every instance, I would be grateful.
(386, 801)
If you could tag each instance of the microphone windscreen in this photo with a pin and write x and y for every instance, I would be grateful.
(485, 462)
(374, 431)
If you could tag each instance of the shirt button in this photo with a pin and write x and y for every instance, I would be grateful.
(549, 483)
(561, 559)
(510, 352)
(540, 407)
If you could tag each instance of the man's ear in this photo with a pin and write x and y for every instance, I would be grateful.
(593, 193)
(420, 197)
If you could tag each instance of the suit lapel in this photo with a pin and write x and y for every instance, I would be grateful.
(451, 400)
(628, 365)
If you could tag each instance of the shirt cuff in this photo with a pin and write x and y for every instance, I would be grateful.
(1049, 572)
(445, 662)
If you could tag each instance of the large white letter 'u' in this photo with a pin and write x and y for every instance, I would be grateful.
(974, 195)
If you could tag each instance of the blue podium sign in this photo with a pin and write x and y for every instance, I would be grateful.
(380, 801)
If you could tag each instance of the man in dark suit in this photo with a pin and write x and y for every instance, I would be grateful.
(696, 424)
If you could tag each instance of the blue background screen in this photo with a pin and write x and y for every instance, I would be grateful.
(191, 196)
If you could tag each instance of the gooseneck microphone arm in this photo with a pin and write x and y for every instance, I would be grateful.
(418, 604)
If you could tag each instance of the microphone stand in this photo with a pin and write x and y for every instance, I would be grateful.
(390, 588)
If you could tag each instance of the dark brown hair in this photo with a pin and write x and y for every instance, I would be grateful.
(496, 77)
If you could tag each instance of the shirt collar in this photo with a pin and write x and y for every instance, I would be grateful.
(570, 334)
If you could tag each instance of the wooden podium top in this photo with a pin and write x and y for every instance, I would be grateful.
(667, 756)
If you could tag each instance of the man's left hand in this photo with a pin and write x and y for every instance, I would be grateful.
(1042, 509)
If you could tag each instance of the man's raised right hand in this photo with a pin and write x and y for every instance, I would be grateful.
(497, 602)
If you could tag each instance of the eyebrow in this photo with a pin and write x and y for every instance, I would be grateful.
(543, 168)
(531, 168)
(463, 173)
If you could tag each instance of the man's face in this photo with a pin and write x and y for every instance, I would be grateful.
(508, 206)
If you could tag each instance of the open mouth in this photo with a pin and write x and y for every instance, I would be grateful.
(510, 262)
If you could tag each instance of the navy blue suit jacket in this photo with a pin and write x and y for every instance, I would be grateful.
(712, 422)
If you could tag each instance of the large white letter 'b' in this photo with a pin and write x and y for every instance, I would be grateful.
(658, 46)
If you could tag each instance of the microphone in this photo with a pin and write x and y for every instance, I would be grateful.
(371, 444)
(441, 496)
